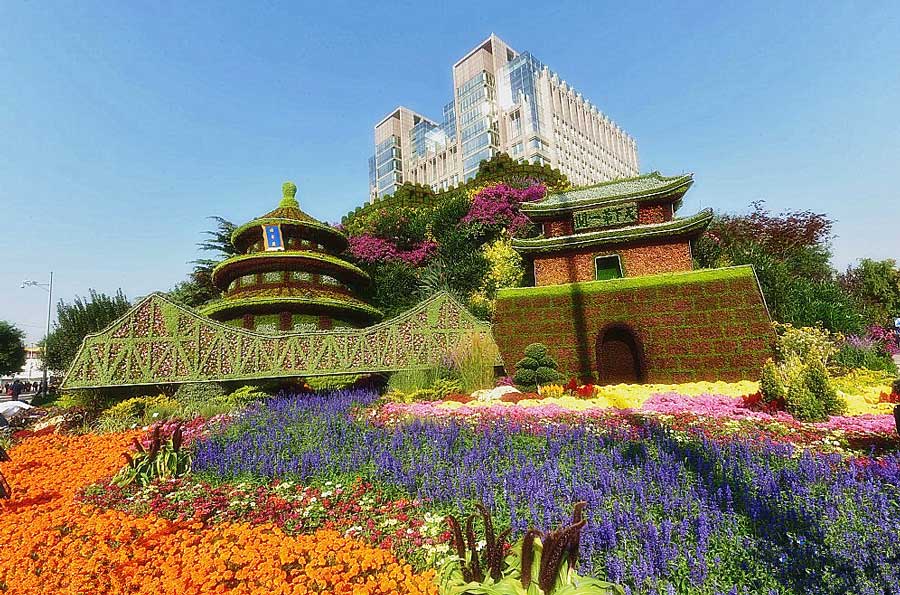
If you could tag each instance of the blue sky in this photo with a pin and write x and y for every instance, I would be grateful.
(122, 126)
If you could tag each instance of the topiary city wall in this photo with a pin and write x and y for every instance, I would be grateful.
(699, 325)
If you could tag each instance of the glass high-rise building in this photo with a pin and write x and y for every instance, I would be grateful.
(503, 101)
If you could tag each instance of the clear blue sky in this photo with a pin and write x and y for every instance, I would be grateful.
(123, 126)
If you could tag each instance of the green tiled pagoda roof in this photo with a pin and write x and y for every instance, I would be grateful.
(693, 225)
(279, 299)
(299, 256)
(647, 187)
(288, 213)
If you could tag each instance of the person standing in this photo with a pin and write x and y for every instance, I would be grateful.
(16, 389)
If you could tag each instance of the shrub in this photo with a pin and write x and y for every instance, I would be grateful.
(194, 396)
(536, 367)
(134, 411)
(245, 395)
(536, 351)
(439, 389)
(869, 357)
(770, 384)
(408, 381)
(472, 362)
(804, 388)
(806, 343)
(329, 383)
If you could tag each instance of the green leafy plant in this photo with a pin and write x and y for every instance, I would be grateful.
(473, 361)
(536, 368)
(132, 411)
(12, 348)
(539, 564)
(799, 380)
(195, 396)
(159, 460)
(850, 357)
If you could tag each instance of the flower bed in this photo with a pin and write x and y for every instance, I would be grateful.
(670, 512)
(357, 510)
(64, 546)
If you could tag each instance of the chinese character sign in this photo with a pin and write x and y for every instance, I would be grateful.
(272, 237)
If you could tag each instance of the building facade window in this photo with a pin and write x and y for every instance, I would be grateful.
(607, 267)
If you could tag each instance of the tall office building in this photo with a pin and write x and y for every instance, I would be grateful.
(503, 101)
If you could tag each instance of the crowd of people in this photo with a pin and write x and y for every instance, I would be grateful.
(16, 388)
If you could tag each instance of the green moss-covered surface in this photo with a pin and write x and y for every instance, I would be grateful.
(144, 347)
(648, 187)
(700, 325)
(263, 261)
(264, 303)
(662, 280)
(686, 226)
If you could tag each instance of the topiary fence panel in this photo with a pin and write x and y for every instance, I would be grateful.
(161, 342)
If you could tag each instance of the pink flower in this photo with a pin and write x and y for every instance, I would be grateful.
(499, 205)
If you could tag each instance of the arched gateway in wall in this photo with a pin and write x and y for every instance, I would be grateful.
(620, 355)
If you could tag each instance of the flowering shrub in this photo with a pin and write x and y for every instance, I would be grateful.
(372, 249)
(497, 205)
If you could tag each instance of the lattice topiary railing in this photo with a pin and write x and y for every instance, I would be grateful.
(161, 342)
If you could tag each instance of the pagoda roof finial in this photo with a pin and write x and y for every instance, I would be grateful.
(288, 194)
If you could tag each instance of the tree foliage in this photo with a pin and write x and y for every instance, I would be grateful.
(791, 253)
(76, 320)
(198, 288)
(876, 286)
(12, 348)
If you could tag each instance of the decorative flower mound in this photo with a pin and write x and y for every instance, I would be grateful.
(62, 546)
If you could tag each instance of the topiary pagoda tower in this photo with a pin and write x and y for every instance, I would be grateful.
(620, 228)
(288, 275)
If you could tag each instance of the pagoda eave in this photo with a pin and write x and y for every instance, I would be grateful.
(228, 270)
(262, 305)
(677, 228)
(604, 194)
(335, 238)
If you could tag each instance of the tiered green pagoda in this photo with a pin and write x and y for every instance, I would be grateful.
(288, 275)
(621, 228)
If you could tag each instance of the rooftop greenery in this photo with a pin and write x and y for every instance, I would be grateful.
(299, 255)
(694, 224)
(650, 186)
(248, 304)
(660, 280)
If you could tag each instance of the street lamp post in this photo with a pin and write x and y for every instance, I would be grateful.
(49, 287)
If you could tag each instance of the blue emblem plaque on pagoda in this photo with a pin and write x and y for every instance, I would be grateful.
(272, 237)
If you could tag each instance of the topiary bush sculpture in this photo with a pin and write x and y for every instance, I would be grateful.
(536, 368)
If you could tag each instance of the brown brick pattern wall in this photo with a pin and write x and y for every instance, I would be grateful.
(704, 330)
(654, 213)
(637, 259)
(558, 228)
